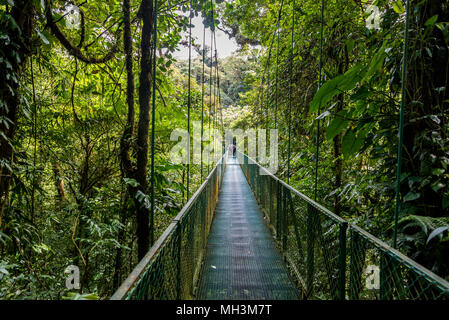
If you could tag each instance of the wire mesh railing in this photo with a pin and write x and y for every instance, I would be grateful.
(330, 258)
(171, 268)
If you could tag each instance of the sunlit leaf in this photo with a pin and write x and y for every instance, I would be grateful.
(412, 196)
(398, 7)
(431, 21)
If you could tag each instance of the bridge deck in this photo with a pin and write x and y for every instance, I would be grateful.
(242, 261)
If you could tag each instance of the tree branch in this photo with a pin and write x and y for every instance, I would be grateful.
(73, 50)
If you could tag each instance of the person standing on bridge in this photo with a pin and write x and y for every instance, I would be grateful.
(232, 149)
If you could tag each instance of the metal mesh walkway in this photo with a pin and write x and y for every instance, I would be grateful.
(242, 261)
(328, 256)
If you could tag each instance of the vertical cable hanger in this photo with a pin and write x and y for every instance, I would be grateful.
(216, 82)
(260, 93)
(217, 75)
(262, 81)
(217, 93)
(189, 101)
(215, 89)
(33, 190)
(202, 99)
(217, 71)
(267, 101)
(401, 125)
(290, 92)
(153, 116)
(277, 67)
(212, 28)
(219, 97)
(276, 99)
(320, 82)
(276, 33)
(221, 106)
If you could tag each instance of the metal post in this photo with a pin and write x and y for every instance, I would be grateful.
(401, 128)
(153, 121)
(342, 262)
(284, 219)
(178, 273)
(383, 277)
(310, 260)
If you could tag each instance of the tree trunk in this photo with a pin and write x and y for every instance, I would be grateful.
(125, 144)
(59, 184)
(426, 73)
(338, 161)
(23, 13)
(143, 228)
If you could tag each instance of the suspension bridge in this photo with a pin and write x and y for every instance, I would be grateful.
(246, 234)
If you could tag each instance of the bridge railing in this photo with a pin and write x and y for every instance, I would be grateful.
(171, 268)
(330, 258)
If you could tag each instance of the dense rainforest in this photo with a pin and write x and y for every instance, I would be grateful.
(77, 142)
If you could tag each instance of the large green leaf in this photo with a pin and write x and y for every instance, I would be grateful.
(431, 21)
(4, 2)
(361, 94)
(348, 80)
(337, 85)
(445, 201)
(376, 62)
(411, 196)
(437, 186)
(437, 232)
(398, 7)
(336, 127)
(351, 143)
(42, 36)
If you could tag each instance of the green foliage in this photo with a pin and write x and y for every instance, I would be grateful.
(232, 74)
(426, 239)
(68, 202)
(358, 104)
(77, 296)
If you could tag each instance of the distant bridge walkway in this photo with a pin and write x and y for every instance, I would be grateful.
(242, 261)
